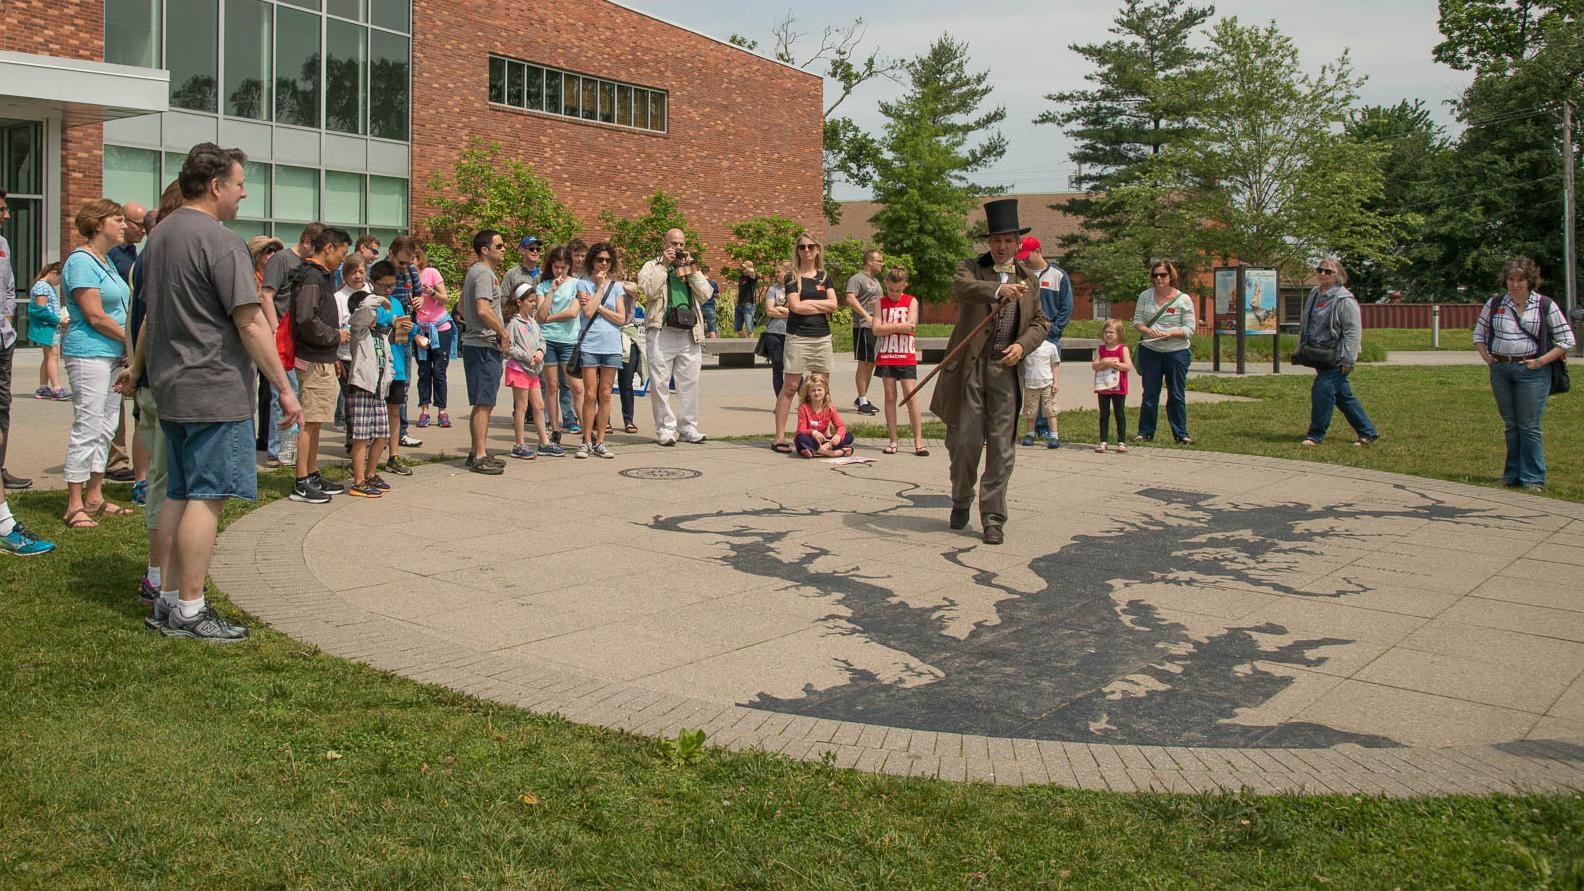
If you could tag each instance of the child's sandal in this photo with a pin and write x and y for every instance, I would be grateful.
(890, 449)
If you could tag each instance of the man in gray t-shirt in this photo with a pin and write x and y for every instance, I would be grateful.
(281, 265)
(483, 344)
(863, 296)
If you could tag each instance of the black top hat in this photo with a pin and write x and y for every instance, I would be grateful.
(1001, 216)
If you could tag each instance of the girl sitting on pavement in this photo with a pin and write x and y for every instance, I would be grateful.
(524, 362)
(896, 355)
(820, 430)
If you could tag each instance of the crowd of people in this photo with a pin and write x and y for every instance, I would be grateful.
(202, 331)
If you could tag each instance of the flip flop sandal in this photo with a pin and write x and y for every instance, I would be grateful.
(846, 452)
(105, 508)
(632, 428)
(784, 448)
(921, 452)
(889, 450)
(84, 520)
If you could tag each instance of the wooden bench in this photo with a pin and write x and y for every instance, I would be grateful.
(738, 352)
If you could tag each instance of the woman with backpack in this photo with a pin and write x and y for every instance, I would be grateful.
(1329, 335)
(1520, 333)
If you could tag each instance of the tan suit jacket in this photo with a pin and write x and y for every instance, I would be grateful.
(974, 288)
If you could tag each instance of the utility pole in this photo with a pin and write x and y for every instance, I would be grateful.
(1569, 206)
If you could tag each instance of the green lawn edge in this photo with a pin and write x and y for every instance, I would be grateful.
(135, 761)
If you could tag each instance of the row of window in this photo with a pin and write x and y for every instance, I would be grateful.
(275, 191)
(551, 90)
(269, 61)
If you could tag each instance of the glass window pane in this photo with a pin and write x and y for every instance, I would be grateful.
(257, 182)
(248, 228)
(535, 88)
(387, 202)
(514, 84)
(624, 105)
(192, 53)
(571, 93)
(296, 193)
(347, 9)
(346, 92)
(132, 32)
(552, 101)
(21, 156)
(590, 97)
(132, 174)
(497, 79)
(640, 108)
(607, 102)
(296, 67)
(390, 77)
(173, 166)
(343, 198)
(305, 4)
(657, 110)
(247, 59)
(393, 14)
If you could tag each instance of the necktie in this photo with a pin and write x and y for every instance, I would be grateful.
(1006, 267)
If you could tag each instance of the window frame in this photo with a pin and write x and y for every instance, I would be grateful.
(575, 96)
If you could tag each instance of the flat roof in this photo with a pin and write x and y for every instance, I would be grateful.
(697, 32)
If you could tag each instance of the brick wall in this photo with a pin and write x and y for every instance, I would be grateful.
(744, 134)
(72, 29)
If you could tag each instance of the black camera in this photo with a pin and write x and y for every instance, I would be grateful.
(683, 258)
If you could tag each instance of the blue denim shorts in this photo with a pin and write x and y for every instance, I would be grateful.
(558, 353)
(601, 360)
(482, 366)
(210, 462)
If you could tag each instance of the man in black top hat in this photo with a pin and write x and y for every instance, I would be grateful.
(980, 387)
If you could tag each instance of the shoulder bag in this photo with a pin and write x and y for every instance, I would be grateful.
(574, 365)
(1317, 357)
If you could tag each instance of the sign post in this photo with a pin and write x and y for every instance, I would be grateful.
(1245, 302)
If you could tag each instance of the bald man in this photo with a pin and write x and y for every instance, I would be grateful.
(123, 255)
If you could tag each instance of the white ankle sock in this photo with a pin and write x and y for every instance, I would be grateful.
(152, 573)
(7, 522)
(189, 609)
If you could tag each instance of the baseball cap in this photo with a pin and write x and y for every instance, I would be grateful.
(528, 241)
(1030, 245)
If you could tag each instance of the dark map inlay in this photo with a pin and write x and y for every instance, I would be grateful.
(1065, 661)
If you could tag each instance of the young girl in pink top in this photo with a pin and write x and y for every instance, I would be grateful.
(820, 430)
(434, 337)
(1111, 366)
(896, 355)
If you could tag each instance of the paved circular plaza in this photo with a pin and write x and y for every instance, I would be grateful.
(1159, 620)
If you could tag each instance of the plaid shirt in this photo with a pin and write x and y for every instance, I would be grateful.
(1507, 333)
(407, 285)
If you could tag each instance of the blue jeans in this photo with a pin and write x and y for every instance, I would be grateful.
(1153, 367)
(743, 318)
(1332, 390)
(708, 307)
(277, 436)
(1521, 397)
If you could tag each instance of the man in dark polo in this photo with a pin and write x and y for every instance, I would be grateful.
(980, 388)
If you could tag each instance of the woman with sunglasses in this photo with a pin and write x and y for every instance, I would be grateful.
(810, 301)
(1164, 319)
(605, 304)
(1331, 322)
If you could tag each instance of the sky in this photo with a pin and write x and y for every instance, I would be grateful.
(1025, 48)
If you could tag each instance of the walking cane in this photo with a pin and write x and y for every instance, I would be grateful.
(998, 306)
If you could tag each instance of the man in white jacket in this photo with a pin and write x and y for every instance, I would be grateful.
(675, 290)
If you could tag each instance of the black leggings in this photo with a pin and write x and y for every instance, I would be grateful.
(624, 382)
(1108, 404)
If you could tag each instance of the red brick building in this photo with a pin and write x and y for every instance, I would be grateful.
(347, 107)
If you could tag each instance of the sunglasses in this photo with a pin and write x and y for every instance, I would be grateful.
(808, 247)
(1321, 270)
(600, 259)
(532, 248)
(1160, 275)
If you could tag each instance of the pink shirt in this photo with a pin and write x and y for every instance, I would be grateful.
(431, 309)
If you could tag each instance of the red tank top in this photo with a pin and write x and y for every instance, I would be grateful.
(896, 349)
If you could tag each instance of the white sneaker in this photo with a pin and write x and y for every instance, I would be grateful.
(603, 452)
(694, 436)
(667, 438)
(582, 451)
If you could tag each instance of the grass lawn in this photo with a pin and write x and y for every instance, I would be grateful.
(130, 760)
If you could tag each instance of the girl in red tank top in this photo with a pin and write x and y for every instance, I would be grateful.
(896, 355)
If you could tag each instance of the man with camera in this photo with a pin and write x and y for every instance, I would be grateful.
(675, 290)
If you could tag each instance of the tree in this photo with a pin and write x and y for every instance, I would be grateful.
(485, 191)
(1146, 91)
(1503, 195)
(1269, 168)
(850, 152)
(639, 238)
(765, 240)
(921, 181)
(1415, 162)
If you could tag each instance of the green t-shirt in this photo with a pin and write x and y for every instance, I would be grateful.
(679, 290)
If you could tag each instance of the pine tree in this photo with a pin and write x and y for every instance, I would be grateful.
(922, 178)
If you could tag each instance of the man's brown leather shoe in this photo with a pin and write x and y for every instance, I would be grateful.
(993, 536)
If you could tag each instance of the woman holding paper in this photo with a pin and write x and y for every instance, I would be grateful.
(1164, 319)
